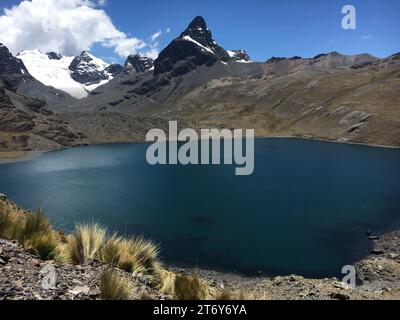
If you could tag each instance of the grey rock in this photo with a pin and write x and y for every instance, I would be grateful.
(377, 251)
(80, 290)
(138, 63)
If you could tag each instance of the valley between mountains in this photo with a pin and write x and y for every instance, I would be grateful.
(48, 101)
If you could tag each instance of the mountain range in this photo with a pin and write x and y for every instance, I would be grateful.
(49, 101)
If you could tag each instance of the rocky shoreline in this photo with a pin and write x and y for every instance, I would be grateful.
(378, 278)
(14, 156)
(23, 273)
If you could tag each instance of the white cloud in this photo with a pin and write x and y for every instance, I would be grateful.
(156, 35)
(125, 46)
(65, 26)
(152, 53)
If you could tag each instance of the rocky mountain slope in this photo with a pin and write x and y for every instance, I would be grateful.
(16, 76)
(26, 123)
(138, 63)
(12, 70)
(330, 96)
(197, 82)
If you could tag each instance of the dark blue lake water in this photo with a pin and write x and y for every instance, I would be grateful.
(305, 210)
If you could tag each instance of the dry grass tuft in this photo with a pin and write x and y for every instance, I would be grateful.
(114, 287)
(90, 242)
(133, 255)
(85, 243)
(31, 229)
(112, 250)
(189, 287)
(165, 281)
(44, 245)
(35, 224)
(7, 220)
(145, 254)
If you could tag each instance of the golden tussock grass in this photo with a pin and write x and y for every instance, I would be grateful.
(31, 229)
(93, 242)
(165, 281)
(189, 287)
(131, 255)
(113, 286)
(85, 243)
(7, 220)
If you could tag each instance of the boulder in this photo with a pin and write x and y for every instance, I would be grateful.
(377, 251)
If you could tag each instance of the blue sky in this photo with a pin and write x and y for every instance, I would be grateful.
(264, 28)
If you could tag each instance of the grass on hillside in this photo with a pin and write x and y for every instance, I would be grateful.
(92, 242)
(131, 255)
(188, 287)
(114, 287)
(31, 229)
(85, 243)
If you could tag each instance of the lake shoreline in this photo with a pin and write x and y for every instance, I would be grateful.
(17, 156)
(383, 244)
(378, 277)
(242, 278)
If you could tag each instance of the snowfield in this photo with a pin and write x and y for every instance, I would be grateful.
(56, 73)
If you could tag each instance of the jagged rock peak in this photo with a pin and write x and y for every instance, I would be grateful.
(198, 31)
(138, 63)
(4, 51)
(193, 48)
(12, 70)
(54, 56)
(87, 69)
(198, 23)
(84, 56)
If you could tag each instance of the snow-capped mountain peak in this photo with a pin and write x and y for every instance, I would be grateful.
(239, 56)
(88, 70)
(76, 76)
(193, 48)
